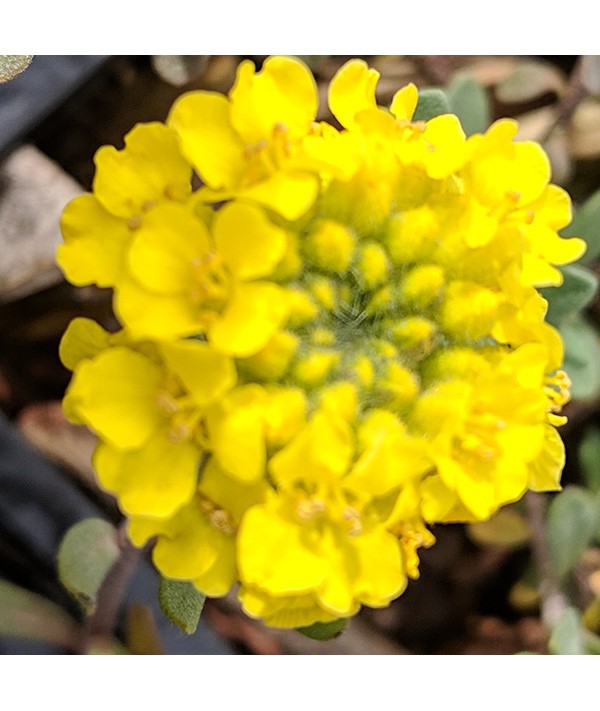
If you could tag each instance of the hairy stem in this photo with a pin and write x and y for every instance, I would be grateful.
(103, 623)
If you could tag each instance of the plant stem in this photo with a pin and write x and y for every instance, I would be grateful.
(553, 602)
(104, 620)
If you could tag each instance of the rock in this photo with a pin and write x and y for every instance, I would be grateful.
(33, 194)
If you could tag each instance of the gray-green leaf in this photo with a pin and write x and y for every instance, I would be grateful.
(577, 291)
(323, 631)
(589, 458)
(568, 634)
(182, 603)
(571, 523)
(470, 102)
(582, 356)
(586, 224)
(86, 554)
(431, 103)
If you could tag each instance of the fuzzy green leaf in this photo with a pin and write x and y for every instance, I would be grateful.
(568, 634)
(182, 603)
(470, 102)
(577, 291)
(589, 458)
(530, 79)
(582, 356)
(586, 224)
(323, 631)
(591, 643)
(571, 524)
(86, 554)
(432, 103)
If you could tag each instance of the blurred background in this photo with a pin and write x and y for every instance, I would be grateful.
(479, 591)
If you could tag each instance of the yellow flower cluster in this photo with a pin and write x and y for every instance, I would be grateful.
(330, 344)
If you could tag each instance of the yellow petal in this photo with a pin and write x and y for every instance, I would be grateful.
(190, 545)
(322, 451)
(375, 563)
(275, 555)
(251, 246)
(252, 316)
(387, 463)
(208, 140)
(233, 495)
(546, 469)
(166, 247)
(404, 102)
(115, 395)
(441, 504)
(237, 433)
(352, 90)
(141, 529)
(206, 375)
(336, 594)
(218, 580)
(501, 170)
(289, 193)
(447, 150)
(282, 93)
(155, 480)
(95, 245)
(82, 340)
(150, 169)
(148, 314)
(288, 611)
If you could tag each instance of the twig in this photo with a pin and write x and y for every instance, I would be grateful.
(103, 621)
(553, 602)
(575, 93)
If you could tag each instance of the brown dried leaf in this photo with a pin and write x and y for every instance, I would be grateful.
(489, 71)
(534, 125)
(584, 129)
(179, 70)
(529, 80)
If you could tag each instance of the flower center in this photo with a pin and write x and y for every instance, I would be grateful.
(212, 285)
(266, 157)
(181, 412)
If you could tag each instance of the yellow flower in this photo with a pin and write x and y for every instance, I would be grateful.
(98, 227)
(256, 419)
(320, 534)
(250, 145)
(184, 279)
(199, 541)
(488, 433)
(146, 404)
(333, 343)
